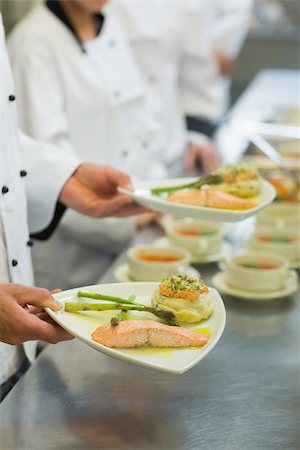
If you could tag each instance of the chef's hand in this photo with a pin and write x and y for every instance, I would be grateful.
(225, 63)
(92, 190)
(202, 157)
(20, 323)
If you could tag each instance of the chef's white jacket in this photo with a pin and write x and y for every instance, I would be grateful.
(38, 172)
(230, 25)
(173, 48)
(175, 41)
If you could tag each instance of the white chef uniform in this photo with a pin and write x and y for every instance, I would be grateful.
(230, 22)
(172, 52)
(32, 170)
(87, 99)
(200, 27)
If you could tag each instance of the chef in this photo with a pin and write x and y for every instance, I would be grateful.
(52, 180)
(79, 88)
(83, 86)
(229, 27)
(171, 42)
(181, 72)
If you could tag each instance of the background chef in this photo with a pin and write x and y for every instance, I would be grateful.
(229, 25)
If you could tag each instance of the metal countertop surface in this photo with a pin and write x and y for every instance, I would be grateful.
(242, 396)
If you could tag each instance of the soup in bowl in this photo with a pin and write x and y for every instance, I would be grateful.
(256, 271)
(285, 241)
(151, 263)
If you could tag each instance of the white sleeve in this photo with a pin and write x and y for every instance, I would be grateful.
(39, 91)
(199, 70)
(231, 25)
(48, 169)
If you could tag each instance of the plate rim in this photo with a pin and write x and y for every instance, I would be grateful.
(123, 357)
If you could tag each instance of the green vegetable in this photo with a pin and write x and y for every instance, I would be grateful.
(123, 315)
(210, 179)
(167, 316)
(129, 301)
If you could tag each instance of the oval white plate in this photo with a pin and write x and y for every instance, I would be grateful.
(142, 195)
(121, 273)
(225, 251)
(166, 360)
(220, 282)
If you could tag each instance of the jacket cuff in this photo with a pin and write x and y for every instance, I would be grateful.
(200, 125)
(47, 232)
(198, 138)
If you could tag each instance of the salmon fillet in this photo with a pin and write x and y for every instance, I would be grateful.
(211, 198)
(146, 333)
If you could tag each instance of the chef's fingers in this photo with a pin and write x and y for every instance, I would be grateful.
(118, 178)
(33, 296)
(37, 329)
(190, 159)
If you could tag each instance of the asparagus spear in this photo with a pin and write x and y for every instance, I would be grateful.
(123, 315)
(110, 298)
(167, 316)
(210, 179)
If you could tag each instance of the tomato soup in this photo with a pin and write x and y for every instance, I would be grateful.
(189, 232)
(157, 257)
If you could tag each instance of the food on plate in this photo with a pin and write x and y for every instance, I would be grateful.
(146, 333)
(186, 297)
(209, 180)
(241, 180)
(211, 198)
(178, 300)
(118, 304)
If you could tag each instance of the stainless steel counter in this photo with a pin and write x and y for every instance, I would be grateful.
(242, 396)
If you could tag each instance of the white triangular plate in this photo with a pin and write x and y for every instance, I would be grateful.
(165, 360)
(142, 195)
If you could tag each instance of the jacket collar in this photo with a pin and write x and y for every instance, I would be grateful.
(55, 7)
